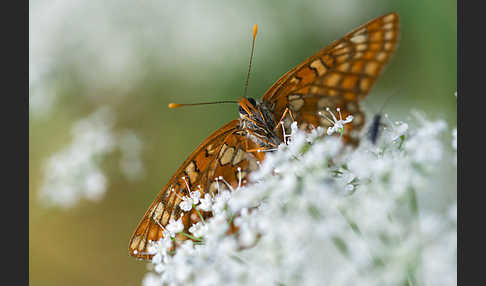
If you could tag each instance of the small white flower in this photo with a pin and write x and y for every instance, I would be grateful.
(175, 226)
(160, 247)
(247, 236)
(186, 204)
(206, 203)
(349, 187)
(338, 125)
(198, 229)
(397, 129)
(195, 196)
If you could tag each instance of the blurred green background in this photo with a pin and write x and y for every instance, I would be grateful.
(134, 57)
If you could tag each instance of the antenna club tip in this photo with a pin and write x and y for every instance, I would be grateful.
(174, 105)
(255, 30)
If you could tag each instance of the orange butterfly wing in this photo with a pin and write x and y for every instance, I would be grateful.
(222, 154)
(336, 77)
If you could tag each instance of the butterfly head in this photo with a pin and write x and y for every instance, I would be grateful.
(258, 122)
(246, 106)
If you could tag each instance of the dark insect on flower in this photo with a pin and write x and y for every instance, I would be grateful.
(374, 130)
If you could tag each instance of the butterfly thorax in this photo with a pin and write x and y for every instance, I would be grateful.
(256, 119)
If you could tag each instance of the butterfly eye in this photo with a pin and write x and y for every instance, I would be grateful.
(252, 101)
(241, 110)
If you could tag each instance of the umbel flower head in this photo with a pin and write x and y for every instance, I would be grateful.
(304, 221)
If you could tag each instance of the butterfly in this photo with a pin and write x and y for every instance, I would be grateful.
(335, 78)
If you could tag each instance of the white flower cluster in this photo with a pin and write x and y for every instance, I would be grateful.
(75, 172)
(320, 213)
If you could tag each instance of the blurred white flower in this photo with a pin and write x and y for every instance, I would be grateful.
(131, 149)
(95, 185)
(426, 150)
(75, 172)
(398, 129)
(220, 202)
(152, 279)
(198, 229)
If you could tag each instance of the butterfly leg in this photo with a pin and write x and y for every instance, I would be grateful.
(258, 150)
(261, 149)
(280, 122)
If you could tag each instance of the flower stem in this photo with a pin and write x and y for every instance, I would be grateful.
(192, 237)
(199, 213)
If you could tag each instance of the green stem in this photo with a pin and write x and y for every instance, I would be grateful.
(191, 237)
(200, 216)
(231, 219)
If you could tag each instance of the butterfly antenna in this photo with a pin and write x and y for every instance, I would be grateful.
(387, 100)
(255, 31)
(177, 105)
